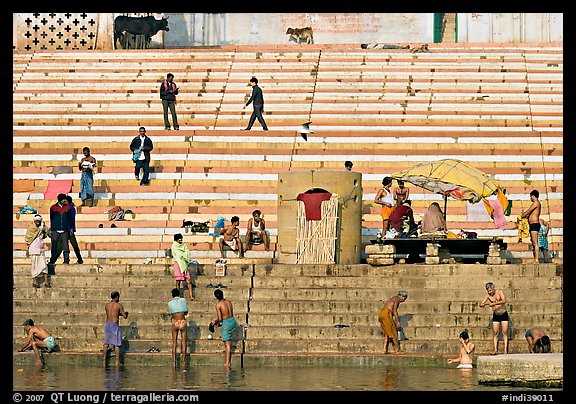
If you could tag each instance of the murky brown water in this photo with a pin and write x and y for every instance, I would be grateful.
(207, 378)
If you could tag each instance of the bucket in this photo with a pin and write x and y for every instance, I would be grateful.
(401, 336)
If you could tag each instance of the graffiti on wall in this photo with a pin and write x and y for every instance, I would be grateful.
(56, 31)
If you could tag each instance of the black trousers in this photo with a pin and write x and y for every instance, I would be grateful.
(257, 114)
(170, 105)
(59, 245)
(75, 246)
(145, 166)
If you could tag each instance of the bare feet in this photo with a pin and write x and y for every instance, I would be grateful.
(494, 353)
(400, 352)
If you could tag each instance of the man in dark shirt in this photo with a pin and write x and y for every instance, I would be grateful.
(60, 219)
(401, 212)
(168, 92)
(258, 102)
(141, 146)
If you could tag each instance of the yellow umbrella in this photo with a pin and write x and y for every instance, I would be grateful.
(450, 177)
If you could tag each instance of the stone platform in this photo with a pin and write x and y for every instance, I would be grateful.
(530, 370)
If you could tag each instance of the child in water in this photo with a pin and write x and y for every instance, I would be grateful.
(465, 351)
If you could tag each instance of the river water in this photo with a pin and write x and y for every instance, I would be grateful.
(211, 378)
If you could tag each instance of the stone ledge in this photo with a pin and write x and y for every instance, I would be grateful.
(534, 370)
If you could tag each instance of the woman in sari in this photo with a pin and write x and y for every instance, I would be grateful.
(433, 219)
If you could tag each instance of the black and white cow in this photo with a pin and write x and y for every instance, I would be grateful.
(147, 26)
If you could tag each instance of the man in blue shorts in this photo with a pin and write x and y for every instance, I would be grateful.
(38, 338)
(226, 319)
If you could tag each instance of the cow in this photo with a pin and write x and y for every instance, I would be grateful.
(147, 26)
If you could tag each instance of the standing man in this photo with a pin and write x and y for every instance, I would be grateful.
(60, 218)
(112, 335)
(226, 319)
(258, 99)
(384, 197)
(533, 215)
(87, 165)
(34, 239)
(141, 146)
(168, 93)
(72, 230)
(38, 337)
(401, 193)
(496, 299)
(179, 310)
(390, 321)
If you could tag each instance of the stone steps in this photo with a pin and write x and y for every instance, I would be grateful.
(289, 320)
(288, 347)
(295, 325)
(204, 302)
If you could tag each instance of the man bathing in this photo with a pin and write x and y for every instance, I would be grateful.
(390, 322)
(112, 335)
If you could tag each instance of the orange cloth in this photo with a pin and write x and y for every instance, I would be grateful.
(23, 186)
(386, 212)
(387, 323)
(502, 198)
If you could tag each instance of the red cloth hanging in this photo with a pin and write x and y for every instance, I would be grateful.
(313, 203)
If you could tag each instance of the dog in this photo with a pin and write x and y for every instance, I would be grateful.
(420, 49)
(300, 33)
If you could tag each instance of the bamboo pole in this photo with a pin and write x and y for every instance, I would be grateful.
(316, 239)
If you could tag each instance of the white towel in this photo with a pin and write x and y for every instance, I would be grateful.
(476, 212)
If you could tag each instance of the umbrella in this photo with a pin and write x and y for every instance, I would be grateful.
(450, 177)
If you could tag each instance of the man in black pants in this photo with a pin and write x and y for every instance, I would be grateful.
(258, 100)
(168, 93)
(141, 146)
(71, 235)
(60, 218)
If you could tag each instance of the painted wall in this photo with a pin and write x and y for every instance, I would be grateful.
(270, 28)
(510, 27)
(341, 28)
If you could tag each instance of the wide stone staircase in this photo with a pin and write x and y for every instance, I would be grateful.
(498, 107)
(293, 311)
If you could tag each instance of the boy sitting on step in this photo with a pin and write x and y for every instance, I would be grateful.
(231, 237)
